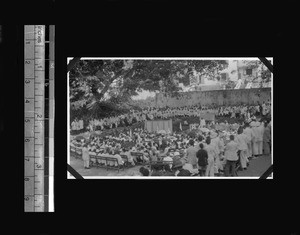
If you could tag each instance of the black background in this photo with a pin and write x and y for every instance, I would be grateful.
(154, 28)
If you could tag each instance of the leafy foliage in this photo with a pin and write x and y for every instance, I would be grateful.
(94, 84)
(265, 73)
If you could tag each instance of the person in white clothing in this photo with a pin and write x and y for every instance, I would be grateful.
(215, 140)
(255, 143)
(250, 135)
(202, 122)
(260, 130)
(211, 152)
(85, 156)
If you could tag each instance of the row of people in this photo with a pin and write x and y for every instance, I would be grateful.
(244, 111)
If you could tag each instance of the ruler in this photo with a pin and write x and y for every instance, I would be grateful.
(38, 116)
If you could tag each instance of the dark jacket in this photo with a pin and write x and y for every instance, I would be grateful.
(184, 172)
(202, 157)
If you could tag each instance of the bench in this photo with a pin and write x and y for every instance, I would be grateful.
(72, 150)
(105, 162)
(139, 155)
(126, 161)
(76, 151)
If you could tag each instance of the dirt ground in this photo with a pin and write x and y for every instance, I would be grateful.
(256, 168)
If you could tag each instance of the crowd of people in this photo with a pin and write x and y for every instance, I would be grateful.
(246, 112)
(215, 149)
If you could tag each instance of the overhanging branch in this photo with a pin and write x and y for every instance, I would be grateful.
(266, 63)
(72, 63)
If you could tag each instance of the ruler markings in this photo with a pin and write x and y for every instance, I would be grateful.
(38, 74)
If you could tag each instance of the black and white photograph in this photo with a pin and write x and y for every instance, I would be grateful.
(170, 118)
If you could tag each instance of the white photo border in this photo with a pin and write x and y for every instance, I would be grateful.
(69, 176)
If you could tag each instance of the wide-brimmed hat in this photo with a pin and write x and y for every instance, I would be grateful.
(177, 164)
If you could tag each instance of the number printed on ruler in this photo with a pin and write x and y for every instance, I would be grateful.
(34, 72)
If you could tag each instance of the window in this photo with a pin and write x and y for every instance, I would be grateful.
(248, 71)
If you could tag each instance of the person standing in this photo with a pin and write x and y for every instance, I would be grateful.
(255, 139)
(211, 152)
(241, 140)
(215, 141)
(202, 159)
(260, 129)
(85, 156)
(231, 156)
(202, 122)
(250, 135)
(191, 154)
(267, 139)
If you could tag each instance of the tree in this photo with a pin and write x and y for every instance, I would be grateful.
(96, 84)
(264, 72)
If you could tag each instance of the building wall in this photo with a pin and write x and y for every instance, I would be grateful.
(219, 97)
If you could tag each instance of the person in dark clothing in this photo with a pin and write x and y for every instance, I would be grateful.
(179, 171)
(202, 159)
(168, 171)
(157, 170)
(144, 171)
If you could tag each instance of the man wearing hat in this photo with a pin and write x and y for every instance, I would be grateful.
(168, 159)
(179, 171)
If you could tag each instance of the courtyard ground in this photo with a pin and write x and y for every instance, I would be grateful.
(255, 169)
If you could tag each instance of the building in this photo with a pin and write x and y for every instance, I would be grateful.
(239, 74)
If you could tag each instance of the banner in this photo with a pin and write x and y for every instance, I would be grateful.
(209, 116)
(159, 125)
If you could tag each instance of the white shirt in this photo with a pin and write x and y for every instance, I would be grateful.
(241, 140)
(249, 134)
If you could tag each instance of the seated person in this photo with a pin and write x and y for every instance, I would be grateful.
(179, 171)
(144, 171)
(168, 159)
(157, 170)
(118, 157)
(168, 171)
(189, 167)
(153, 155)
(104, 154)
(129, 157)
(92, 156)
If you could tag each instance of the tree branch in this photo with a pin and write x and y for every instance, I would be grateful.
(72, 63)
